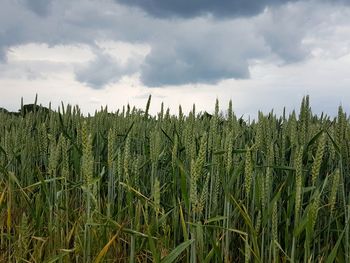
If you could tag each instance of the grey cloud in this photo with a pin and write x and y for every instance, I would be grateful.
(207, 55)
(104, 69)
(196, 50)
(283, 30)
(218, 50)
(221, 9)
(185, 8)
(39, 7)
(18, 26)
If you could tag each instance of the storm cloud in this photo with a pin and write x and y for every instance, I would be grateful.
(187, 9)
(212, 52)
(189, 42)
(221, 9)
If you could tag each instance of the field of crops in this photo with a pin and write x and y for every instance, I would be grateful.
(131, 187)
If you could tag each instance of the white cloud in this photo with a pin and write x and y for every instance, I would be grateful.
(54, 54)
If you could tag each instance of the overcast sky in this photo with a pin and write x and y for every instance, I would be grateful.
(261, 54)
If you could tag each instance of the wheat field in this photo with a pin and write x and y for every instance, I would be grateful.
(131, 187)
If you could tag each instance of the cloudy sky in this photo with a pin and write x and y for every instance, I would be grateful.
(261, 54)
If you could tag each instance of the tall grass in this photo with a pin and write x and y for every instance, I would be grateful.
(128, 186)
